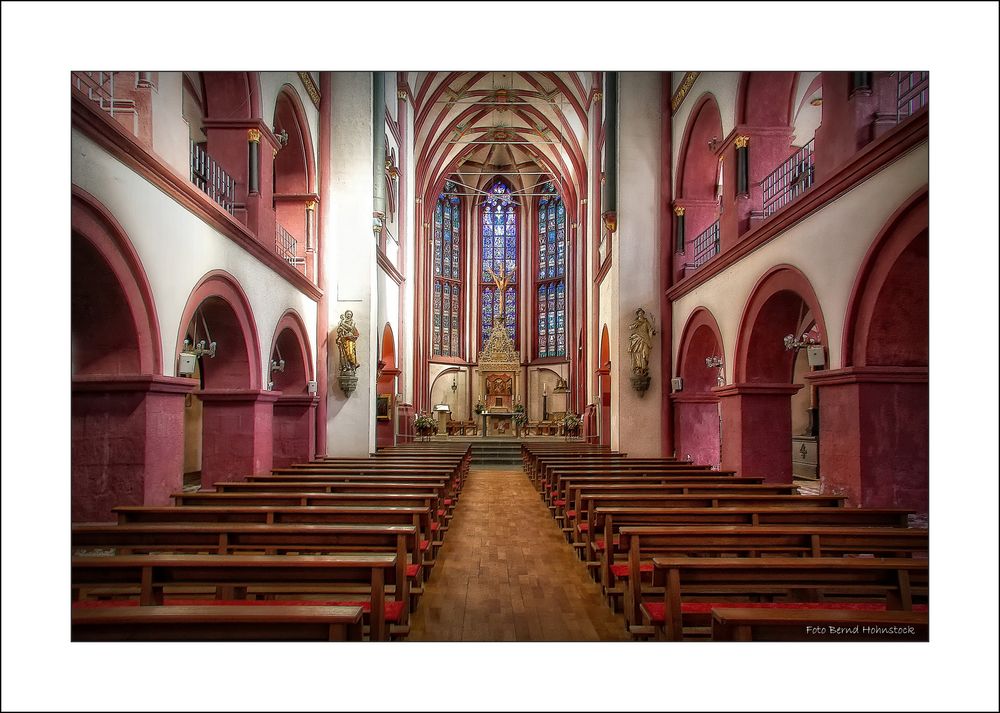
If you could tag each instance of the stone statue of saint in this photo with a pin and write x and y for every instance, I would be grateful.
(347, 337)
(640, 342)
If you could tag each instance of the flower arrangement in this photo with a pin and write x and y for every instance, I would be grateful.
(479, 407)
(520, 417)
(571, 422)
(423, 424)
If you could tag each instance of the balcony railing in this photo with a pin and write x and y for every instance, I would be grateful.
(211, 179)
(911, 93)
(792, 178)
(706, 245)
(286, 246)
(99, 87)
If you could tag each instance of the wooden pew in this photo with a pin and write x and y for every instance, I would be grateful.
(419, 517)
(574, 508)
(769, 624)
(610, 520)
(891, 582)
(225, 538)
(641, 544)
(234, 576)
(217, 623)
(551, 482)
(568, 488)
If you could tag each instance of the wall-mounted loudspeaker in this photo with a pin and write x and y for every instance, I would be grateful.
(816, 355)
(186, 364)
(311, 387)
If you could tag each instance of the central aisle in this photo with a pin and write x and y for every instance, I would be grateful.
(506, 573)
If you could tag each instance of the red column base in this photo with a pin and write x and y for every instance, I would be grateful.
(294, 430)
(757, 429)
(128, 442)
(237, 434)
(696, 427)
(873, 435)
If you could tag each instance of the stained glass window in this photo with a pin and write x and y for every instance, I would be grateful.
(550, 275)
(499, 254)
(447, 274)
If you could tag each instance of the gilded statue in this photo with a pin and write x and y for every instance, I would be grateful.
(640, 342)
(347, 338)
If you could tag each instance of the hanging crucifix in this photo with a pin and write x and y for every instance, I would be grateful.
(501, 282)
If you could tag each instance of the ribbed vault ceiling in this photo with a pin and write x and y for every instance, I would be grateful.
(530, 127)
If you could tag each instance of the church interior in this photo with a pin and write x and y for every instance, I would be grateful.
(416, 358)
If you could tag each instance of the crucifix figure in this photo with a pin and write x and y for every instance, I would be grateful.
(501, 282)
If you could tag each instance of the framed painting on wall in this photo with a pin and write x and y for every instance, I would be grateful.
(383, 404)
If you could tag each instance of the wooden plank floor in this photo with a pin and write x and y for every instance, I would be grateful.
(506, 573)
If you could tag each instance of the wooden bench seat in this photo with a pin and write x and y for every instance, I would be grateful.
(641, 544)
(249, 538)
(773, 624)
(419, 517)
(234, 575)
(217, 623)
(606, 522)
(842, 581)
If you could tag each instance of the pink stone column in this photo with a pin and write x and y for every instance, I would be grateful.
(873, 435)
(127, 442)
(237, 433)
(294, 429)
(757, 429)
(696, 427)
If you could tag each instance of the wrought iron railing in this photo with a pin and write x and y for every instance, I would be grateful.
(211, 179)
(286, 246)
(792, 178)
(99, 87)
(706, 245)
(911, 93)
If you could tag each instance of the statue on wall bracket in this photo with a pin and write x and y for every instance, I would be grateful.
(347, 339)
(640, 342)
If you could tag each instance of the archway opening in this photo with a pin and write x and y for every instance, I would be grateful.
(696, 408)
(604, 389)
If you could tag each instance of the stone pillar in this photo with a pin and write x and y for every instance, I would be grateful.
(757, 429)
(636, 253)
(294, 432)
(696, 427)
(237, 433)
(127, 442)
(873, 435)
(350, 259)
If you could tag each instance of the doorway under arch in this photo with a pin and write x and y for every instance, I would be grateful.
(604, 388)
(291, 371)
(385, 392)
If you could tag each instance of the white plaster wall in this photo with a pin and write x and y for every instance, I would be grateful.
(271, 84)
(177, 249)
(170, 130)
(828, 247)
(541, 378)
(636, 256)
(441, 393)
(388, 309)
(723, 86)
(350, 262)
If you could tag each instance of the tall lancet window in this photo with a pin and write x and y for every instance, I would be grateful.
(499, 258)
(447, 275)
(550, 277)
